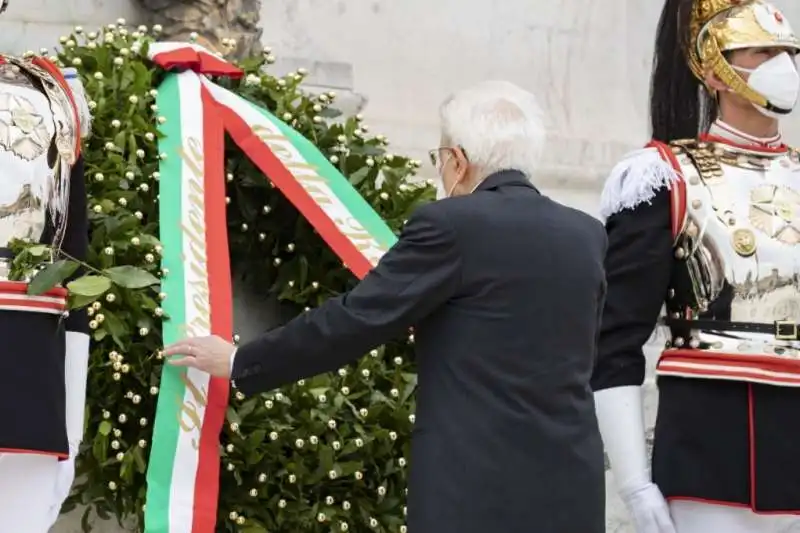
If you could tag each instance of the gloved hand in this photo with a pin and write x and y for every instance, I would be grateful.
(63, 485)
(649, 510)
(621, 419)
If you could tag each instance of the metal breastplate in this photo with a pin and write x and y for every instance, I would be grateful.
(740, 243)
(37, 139)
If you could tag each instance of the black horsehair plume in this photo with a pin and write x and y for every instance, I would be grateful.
(680, 107)
(4, 6)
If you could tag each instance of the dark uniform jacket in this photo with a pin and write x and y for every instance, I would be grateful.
(715, 440)
(32, 360)
(504, 288)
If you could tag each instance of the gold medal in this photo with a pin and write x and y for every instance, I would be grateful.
(744, 242)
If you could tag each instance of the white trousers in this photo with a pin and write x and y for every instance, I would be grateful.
(27, 491)
(695, 517)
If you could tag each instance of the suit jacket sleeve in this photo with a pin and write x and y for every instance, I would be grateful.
(601, 291)
(76, 238)
(417, 275)
(638, 267)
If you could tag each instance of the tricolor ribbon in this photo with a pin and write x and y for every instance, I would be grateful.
(183, 472)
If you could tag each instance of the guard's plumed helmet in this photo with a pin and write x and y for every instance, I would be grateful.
(719, 26)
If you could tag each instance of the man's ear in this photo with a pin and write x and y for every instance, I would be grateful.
(461, 162)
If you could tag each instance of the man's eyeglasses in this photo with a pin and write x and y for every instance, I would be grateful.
(438, 155)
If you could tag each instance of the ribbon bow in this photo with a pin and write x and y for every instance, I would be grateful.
(191, 56)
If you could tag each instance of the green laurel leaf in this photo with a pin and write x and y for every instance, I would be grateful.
(77, 301)
(51, 275)
(131, 277)
(359, 175)
(38, 250)
(104, 428)
(253, 528)
(90, 286)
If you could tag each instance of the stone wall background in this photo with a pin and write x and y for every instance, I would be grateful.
(587, 61)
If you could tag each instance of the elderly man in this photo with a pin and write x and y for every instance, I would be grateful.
(504, 288)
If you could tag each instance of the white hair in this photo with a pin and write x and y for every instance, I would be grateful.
(499, 125)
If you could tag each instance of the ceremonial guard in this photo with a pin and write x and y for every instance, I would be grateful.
(45, 349)
(704, 232)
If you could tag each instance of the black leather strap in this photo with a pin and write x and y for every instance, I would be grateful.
(782, 330)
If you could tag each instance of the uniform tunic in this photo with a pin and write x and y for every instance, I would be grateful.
(718, 441)
(35, 174)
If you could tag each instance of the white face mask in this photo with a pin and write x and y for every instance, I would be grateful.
(441, 192)
(777, 80)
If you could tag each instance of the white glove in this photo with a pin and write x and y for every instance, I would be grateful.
(66, 476)
(77, 366)
(621, 419)
(649, 510)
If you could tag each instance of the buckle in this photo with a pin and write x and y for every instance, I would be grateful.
(785, 330)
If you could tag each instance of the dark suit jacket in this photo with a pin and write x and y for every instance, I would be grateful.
(504, 288)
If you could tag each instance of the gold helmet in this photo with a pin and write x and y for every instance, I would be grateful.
(719, 26)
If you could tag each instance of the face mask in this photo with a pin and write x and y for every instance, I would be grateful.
(441, 193)
(777, 80)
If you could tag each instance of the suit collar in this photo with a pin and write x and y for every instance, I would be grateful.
(505, 178)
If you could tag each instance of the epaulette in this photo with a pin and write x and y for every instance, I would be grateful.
(638, 177)
(79, 99)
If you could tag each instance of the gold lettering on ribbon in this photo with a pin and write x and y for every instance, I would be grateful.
(190, 421)
(189, 417)
(317, 187)
(279, 146)
(196, 278)
(362, 240)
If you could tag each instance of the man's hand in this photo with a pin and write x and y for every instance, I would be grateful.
(209, 354)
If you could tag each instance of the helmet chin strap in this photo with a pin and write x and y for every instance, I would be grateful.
(716, 61)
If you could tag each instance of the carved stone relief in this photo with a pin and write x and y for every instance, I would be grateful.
(212, 20)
